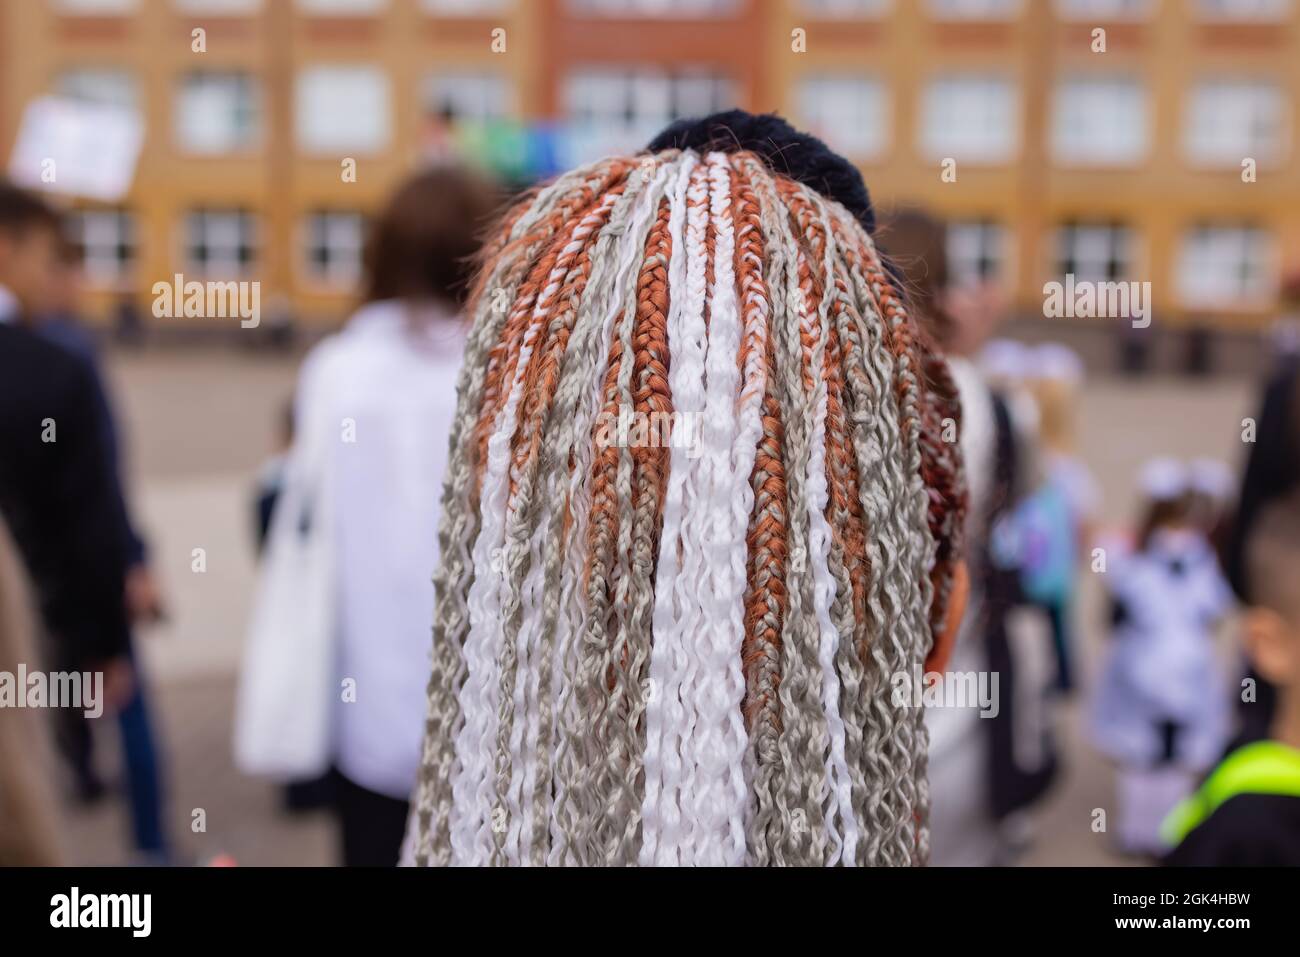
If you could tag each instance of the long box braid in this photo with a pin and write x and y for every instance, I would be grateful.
(699, 516)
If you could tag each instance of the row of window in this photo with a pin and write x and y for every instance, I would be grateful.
(1262, 10)
(221, 243)
(942, 9)
(338, 109)
(1098, 120)
(1218, 265)
(246, 7)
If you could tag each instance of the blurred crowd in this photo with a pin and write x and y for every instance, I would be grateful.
(332, 700)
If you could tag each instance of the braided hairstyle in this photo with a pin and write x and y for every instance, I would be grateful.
(692, 534)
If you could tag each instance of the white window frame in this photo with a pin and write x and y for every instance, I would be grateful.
(218, 220)
(1110, 11)
(979, 10)
(968, 243)
(658, 9)
(246, 141)
(333, 275)
(96, 8)
(219, 8)
(102, 235)
(1206, 142)
(309, 97)
(1090, 115)
(846, 9)
(609, 120)
(1202, 251)
(860, 138)
(91, 84)
(465, 8)
(1002, 150)
(1243, 11)
(341, 8)
(493, 91)
(1103, 243)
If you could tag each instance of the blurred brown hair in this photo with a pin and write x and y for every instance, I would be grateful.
(21, 211)
(423, 244)
(916, 244)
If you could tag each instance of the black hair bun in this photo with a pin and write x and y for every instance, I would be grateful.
(800, 156)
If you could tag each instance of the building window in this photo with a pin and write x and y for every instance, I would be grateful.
(1094, 252)
(333, 247)
(846, 9)
(977, 252)
(1230, 120)
(106, 87)
(218, 113)
(341, 8)
(970, 118)
(465, 8)
(851, 113)
(652, 8)
(220, 243)
(974, 9)
(614, 110)
(105, 241)
(1104, 9)
(1099, 121)
(219, 8)
(96, 8)
(474, 97)
(1224, 266)
(342, 108)
(1243, 9)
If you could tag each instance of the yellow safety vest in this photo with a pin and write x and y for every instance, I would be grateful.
(1264, 767)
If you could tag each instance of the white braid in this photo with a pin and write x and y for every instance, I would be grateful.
(665, 715)
(720, 796)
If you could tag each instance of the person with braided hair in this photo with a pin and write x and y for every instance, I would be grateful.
(683, 645)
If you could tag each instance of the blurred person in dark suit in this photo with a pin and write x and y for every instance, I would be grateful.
(58, 492)
(60, 324)
(1271, 471)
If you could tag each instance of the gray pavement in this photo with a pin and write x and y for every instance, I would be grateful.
(200, 423)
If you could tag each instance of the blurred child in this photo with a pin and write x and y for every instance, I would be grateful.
(1211, 488)
(1063, 507)
(1160, 710)
(1247, 812)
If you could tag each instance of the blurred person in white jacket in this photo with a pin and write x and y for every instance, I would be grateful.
(337, 659)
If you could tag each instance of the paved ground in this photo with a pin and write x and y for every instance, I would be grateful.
(201, 422)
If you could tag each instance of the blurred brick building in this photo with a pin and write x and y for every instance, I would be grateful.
(1109, 155)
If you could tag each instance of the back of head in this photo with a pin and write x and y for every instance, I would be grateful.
(423, 244)
(21, 211)
(30, 240)
(1273, 559)
(916, 244)
(693, 532)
